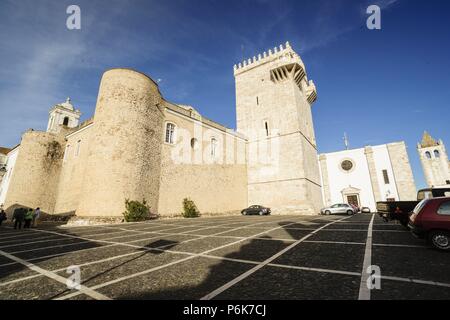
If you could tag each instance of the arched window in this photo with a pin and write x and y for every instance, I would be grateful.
(66, 121)
(437, 154)
(170, 133)
(194, 143)
(428, 155)
(77, 151)
(213, 147)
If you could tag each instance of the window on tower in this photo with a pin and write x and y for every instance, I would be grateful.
(213, 147)
(266, 127)
(428, 155)
(66, 121)
(170, 133)
(386, 177)
(437, 154)
(77, 151)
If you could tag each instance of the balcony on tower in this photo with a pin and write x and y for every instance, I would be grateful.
(311, 92)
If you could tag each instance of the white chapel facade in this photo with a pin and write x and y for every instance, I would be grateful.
(367, 175)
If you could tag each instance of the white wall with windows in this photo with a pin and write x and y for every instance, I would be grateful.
(385, 173)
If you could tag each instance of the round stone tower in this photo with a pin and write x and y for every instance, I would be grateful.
(35, 175)
(124, 157)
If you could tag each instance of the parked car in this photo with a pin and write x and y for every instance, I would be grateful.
(431, 220)
(338, 208)
(260, 210)
(400, 210)
(365, 210)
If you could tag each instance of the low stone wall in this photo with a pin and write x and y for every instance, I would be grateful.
(202, 215)
(91, 221)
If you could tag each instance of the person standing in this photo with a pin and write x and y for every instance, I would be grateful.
(28, 219)
(18, 217)
(2, 216)
(36, 216)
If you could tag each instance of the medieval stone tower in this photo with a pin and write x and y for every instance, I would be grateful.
(435, 162)
(273, 108)
(124, 157)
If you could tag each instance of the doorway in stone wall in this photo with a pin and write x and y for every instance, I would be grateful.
(353, 199)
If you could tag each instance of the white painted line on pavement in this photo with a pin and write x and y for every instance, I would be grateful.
(262, 264)
(172, 263)
(364, 291)
(111, 243)
(398, 245)
(83, 289)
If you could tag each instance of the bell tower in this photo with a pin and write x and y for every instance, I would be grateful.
(63, 114)
(434, 159)
(273, 106)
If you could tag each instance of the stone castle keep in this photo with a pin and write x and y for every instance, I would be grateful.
(140, 146)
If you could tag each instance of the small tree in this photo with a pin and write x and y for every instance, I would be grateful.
(136, 211)
(190, 209)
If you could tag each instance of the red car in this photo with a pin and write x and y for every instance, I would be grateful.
(431, 220)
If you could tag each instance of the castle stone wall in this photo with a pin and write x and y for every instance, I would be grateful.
(216, 184)
(73, 175)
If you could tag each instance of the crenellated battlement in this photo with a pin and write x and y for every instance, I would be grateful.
(284, 54)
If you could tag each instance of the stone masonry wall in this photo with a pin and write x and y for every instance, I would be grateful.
(216, 185)
(73, 174)
(404, 178)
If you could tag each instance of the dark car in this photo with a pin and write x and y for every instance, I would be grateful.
(431, 220)
(401, 210)
(259, 210)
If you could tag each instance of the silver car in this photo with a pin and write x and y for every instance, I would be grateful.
(340, 208)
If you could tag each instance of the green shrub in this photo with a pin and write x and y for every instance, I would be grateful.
(136, 211)
(190, 209)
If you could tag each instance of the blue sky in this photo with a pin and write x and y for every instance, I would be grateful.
(378, 86)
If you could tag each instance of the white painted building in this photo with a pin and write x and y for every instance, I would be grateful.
(366, 175)
(63, 114)
(9, 168)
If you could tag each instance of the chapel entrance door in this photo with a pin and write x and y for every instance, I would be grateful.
(353, 199)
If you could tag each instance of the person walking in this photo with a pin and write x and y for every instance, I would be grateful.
(36, 216)
(18, 217)
(2, 216)
(28, 218)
